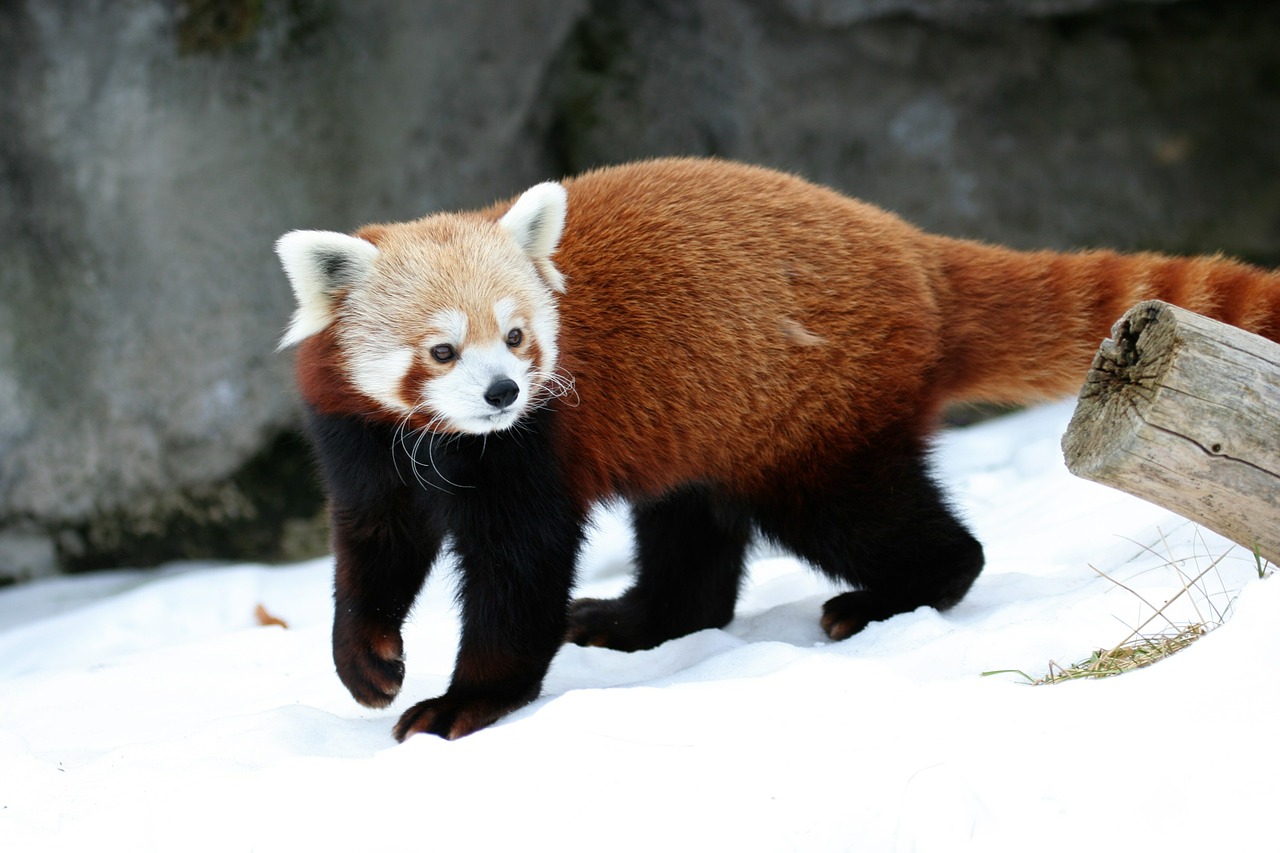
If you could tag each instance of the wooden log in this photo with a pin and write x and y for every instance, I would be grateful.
(1184, 411)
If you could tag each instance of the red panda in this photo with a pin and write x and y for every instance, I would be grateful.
(734, 351)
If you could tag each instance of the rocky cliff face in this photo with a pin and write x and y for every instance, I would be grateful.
(151, 152)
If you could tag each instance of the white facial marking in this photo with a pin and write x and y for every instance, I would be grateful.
(452, 325)
(466, 396)
(504, 311)
(380, 374)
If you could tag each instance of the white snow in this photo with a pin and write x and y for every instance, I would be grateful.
(149, 711)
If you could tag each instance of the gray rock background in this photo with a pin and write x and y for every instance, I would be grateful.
(151, 152)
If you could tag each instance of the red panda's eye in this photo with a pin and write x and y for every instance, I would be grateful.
(443, 353)
(514, 337)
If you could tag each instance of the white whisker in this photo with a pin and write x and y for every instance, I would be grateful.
(426, 433)
(437, 437)
(555, 384)
(399, 439)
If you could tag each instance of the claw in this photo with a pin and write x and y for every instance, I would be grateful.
(453, 716)
(370, 662)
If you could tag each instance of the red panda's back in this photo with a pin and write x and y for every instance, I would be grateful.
(725, 323)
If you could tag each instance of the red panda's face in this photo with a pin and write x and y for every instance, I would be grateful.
(449, 322)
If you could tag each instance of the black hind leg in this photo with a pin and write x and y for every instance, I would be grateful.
(689, 554)
(886, 530)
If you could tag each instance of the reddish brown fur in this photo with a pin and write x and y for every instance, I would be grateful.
(321, 380)
(1023, 326)
(682, 279)
(724, 323)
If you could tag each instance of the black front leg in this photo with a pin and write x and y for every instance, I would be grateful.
(381, 563)
(517, 572)
(516, 535)
(384, 542)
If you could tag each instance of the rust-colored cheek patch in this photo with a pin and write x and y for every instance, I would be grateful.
(320, 377)
(414, 381)
(533, 352)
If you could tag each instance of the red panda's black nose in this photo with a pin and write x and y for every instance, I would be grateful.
(502, 393)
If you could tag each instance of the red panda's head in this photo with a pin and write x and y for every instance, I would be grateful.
(449, 321)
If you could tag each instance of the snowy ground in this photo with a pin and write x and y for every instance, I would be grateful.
(148, 710)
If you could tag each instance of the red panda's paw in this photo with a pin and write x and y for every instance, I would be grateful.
(592, 621)
(370, 661)
(609, 624)
(456, 715)
(847, 614)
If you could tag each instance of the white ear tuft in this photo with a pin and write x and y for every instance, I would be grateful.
(536, 220)
(319, 264)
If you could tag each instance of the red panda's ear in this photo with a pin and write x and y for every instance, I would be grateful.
(319, 264)
(536, 222)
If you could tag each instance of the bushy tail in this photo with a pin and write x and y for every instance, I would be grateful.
(1024, 326)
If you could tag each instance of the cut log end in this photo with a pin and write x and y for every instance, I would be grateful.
(1184, 411)
(1125, 377)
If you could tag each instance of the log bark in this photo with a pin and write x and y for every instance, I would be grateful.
(1184, 411)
